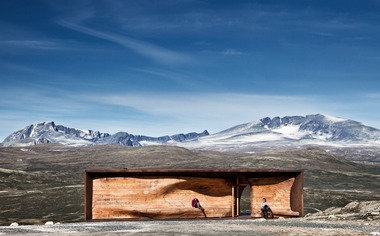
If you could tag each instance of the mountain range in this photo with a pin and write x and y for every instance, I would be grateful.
(288, 131)
(49, 132)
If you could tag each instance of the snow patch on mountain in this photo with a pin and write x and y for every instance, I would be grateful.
(334, 119)
(290, 131)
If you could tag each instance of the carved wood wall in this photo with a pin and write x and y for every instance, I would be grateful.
(277, 191)
(160, 197)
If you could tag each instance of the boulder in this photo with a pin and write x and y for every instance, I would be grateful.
(49, 223)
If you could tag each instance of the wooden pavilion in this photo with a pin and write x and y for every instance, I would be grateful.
(167, 193)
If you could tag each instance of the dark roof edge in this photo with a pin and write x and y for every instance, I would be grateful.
(150, 170)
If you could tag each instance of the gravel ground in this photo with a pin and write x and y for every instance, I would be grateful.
(223, 227)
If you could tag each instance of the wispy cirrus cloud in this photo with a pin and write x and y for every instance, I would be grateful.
(33, 44)
(46, 45)
(232, 52)
(176, 77)
(373, 95)
(151, 51)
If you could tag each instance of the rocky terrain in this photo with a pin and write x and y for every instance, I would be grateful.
(365, 210)
(260, 227)
(356, 218)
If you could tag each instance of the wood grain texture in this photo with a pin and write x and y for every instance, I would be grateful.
(160, 197)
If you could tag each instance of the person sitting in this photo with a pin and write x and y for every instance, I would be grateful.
(196, 204)
(265, 209)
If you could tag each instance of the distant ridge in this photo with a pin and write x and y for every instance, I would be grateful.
(48, 132)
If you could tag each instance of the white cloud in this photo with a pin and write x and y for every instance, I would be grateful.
(209, 111)
(158, 54)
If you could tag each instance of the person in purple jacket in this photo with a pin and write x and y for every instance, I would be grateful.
(196, 204)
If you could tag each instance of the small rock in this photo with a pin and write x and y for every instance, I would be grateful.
(330, 209)
(320, 213)
(351, 207)
(14, 224)
(331, 217)
(49, 223)
(375, 233)
(281, 218)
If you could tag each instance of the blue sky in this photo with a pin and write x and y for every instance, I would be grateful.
(177, 66)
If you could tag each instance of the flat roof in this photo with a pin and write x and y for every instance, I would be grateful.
(191, 172)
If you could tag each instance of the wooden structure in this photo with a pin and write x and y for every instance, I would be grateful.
(167, 193)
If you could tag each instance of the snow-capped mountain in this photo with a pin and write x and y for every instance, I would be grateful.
(289, 131)
(265, 134)
(48, 132)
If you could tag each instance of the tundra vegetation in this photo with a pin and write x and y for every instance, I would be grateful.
(45, 182)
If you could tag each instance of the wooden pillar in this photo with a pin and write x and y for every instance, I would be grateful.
(233, 201)
(237, 197)
(296, 201)
(87, 197)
